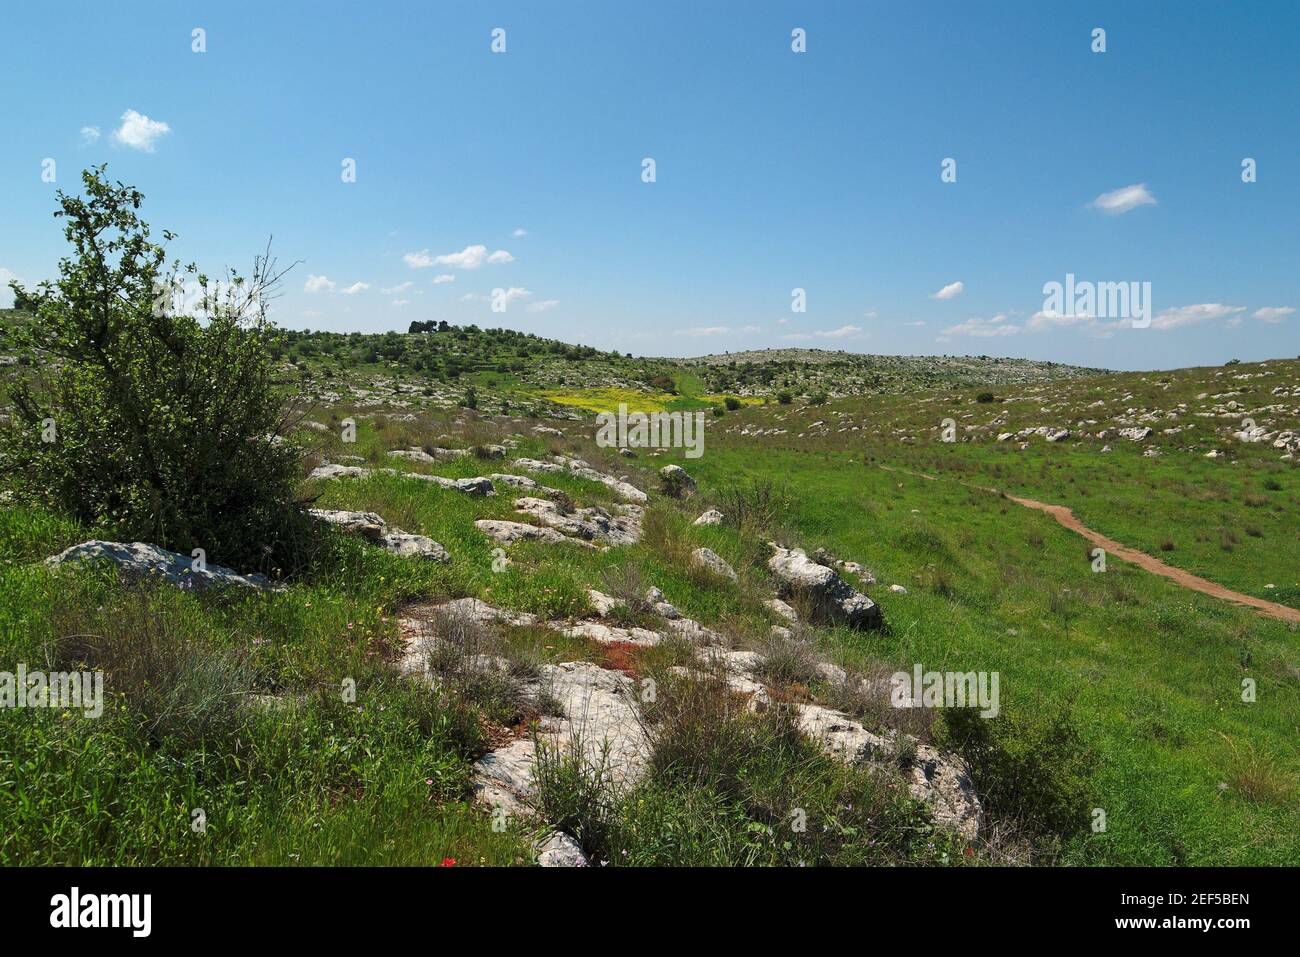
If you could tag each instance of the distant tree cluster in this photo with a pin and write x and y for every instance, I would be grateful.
(439, 325)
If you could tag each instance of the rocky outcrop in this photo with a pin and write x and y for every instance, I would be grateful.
(563, 464)
(821, 588)
(940, 780)
(592, 524)
(141, 560)
(600, 720)
(477, 485)
(507, 533)
(711, 517)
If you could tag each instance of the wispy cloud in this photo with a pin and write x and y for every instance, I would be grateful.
(400, 287)
(471, 257)
(89, 134)
(444, 278)
(950, 291)
(318, 284)
(355, 288)
(984, 328)
(139, 132)
(519, 233)
(1180, 316)
(543, 305)
(1123, 199)
(1273, 314)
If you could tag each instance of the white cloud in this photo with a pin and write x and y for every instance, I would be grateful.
(984, 328)
(139, 132)
(444, 278)
(1180, 316)
(89, 134)
(318, 284)
(919, 322)
(355, 288)
(1123, 199)
(871, 314)
(543, 305)
(749, 329)
(473, 297)
(401, 302)
(699, 331)
(1273, 314)
(843, 332)
(950, 291)
(400, 287)
(1044, 320)
(471, 257)
(520, 232)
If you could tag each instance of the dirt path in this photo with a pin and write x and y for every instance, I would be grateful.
(1180, 576)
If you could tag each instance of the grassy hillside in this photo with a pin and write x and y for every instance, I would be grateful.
(1148, 674)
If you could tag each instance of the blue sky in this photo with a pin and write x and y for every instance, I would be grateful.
(775, 170)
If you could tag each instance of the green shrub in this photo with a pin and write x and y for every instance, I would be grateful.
(149, 421)
(1033, 774)
(732, 403)
(784, 397)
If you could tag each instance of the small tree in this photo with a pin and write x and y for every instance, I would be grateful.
(153, 413)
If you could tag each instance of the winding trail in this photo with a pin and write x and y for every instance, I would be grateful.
(1066, 517)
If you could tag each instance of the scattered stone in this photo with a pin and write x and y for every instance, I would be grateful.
(782, 609)
(712, 562)
(898, 589)
(674, 476)
(661, 605)
(711, 517)
(603, 604)
(374, 529)
(561, 850)
(832, 596)
(1136, 434)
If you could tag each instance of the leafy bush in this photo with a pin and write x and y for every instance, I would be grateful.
(732, 403)
(1034, 773)
(784, 397)
(145, 419)
(984, 397)
(819, 398)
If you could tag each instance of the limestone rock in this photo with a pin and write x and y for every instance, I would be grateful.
(149, 561)
(712, 562)
(831, 595)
